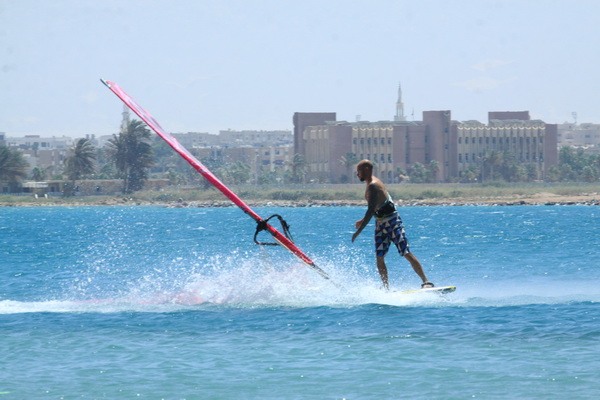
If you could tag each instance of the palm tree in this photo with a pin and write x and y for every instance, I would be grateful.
(493, 159)
(298, 165)
(239, 172)
(434, 169)
(81, 161)
(349, 160)
(418, 173)
(132, 154)
(38, 174)
(13, 166)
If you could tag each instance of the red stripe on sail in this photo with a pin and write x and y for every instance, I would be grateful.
(198, 166)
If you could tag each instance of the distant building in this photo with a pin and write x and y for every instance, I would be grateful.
(585, 136)
(397, 145)
(255, 138)
(532, 142)
(192, 140)
(2, 139)
(259, 159)
(37, 142)
(302, 120)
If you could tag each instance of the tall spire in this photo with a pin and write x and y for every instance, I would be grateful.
(399, 106)
(125, 120)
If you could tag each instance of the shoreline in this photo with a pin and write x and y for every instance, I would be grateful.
(538, 199)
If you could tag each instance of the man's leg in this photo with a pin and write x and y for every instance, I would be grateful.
(383, 272)
(416, 266)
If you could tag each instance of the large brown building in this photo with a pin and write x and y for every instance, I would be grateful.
(398, 145)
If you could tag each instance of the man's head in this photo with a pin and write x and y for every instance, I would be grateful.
(364, 170)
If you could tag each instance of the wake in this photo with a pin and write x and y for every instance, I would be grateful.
(284, 290)
(249, 283)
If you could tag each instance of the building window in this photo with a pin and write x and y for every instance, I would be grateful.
(466, 157)
(459, 157)
(389, 140)
(389, 158)
(459, 140)
(382, 141)
(382, 157)
(368, 141)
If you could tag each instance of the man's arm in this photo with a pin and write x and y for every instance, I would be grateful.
(371, 205)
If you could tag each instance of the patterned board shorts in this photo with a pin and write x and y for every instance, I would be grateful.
(390, 230)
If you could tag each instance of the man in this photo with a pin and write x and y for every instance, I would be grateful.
(388, 225)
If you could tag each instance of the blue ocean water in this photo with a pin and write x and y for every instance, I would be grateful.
(163, 303)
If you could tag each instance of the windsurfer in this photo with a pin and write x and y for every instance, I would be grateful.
(388, 224)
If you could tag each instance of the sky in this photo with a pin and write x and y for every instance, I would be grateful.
(206, 66)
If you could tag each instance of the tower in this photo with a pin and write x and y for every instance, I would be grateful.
(399, 106)
(125, 120)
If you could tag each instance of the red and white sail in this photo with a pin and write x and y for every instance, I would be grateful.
(198, 166)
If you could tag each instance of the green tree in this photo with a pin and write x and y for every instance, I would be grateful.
(81, 161)
(267, 177)
(470, 174)
(13, 167)
(238, 172)
(132, 155)
(349, 160)
(553, 174)
(418, 173)
(401, 174)
(434, 169)
(298, 166)
(491, 160)
(38, 174)
(589, 173)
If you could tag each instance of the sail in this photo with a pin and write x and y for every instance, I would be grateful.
(198, 166)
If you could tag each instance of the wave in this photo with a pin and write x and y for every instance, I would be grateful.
(250, 286)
